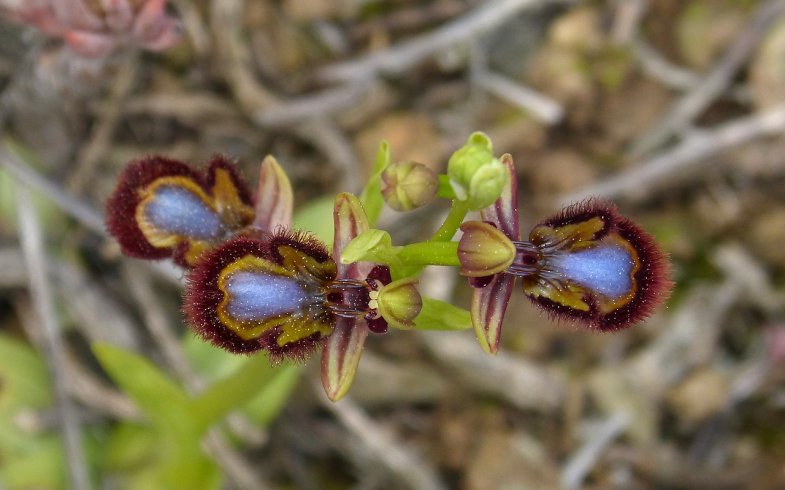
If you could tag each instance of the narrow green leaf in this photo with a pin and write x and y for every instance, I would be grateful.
(234, 391)
(162, 400)
(269, 403)
(440, 315)
(371, 196)
(23, 377)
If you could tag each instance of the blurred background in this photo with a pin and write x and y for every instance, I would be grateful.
(672, 108)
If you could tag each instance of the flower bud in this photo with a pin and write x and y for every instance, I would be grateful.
(484, 250)
(408, 185)
(399, 303)
(475, 175)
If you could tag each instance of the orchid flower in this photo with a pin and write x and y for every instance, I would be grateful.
(284, 293)
(587, 264)
(164, 208)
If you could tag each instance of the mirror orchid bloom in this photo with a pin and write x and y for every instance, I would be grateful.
(284, 293)
(587, 264)
(164, 208)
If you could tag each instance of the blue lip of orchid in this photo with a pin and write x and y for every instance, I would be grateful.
(607, 270)
(255, 295)
(179, 211)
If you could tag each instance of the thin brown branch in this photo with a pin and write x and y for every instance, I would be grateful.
(693, 103)
(382, 445)
(670, 165)
(35, 257)
(401, 57)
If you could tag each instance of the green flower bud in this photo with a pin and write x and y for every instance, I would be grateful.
(475, 175)
(484, 250)
(408, 185)
(399, 303)
(487, 184)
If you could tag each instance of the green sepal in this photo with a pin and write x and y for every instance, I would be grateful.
(371, 196)
(445, 190)
(372, 246)
(440, 315)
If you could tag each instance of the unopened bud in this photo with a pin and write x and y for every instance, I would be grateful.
(408, 185)
(484, 250)
(399, 303)
(475, 175)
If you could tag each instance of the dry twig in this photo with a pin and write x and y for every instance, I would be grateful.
(693, 103)
(400, 460)
(401, 57)
(52, 345)
(635, 182)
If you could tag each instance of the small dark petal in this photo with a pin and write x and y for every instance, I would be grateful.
(480, 282)
(121, 206)
(203, 295)
(377, 325)
(380, 273)
(650, 283)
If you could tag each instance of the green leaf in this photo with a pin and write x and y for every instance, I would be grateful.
(209, 361)
(270, 401)
(232, 392)
(371, 196)
(162, 400)
(440, 315)
(270, 387)
(41, 467)
(129, 446)
(187, 467)
(24, 381)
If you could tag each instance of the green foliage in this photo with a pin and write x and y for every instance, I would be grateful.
(371, 196)
(179, 461)
(440, 315)
(31, 458)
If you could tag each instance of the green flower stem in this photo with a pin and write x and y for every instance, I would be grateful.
(454, 219)
(430, 253)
